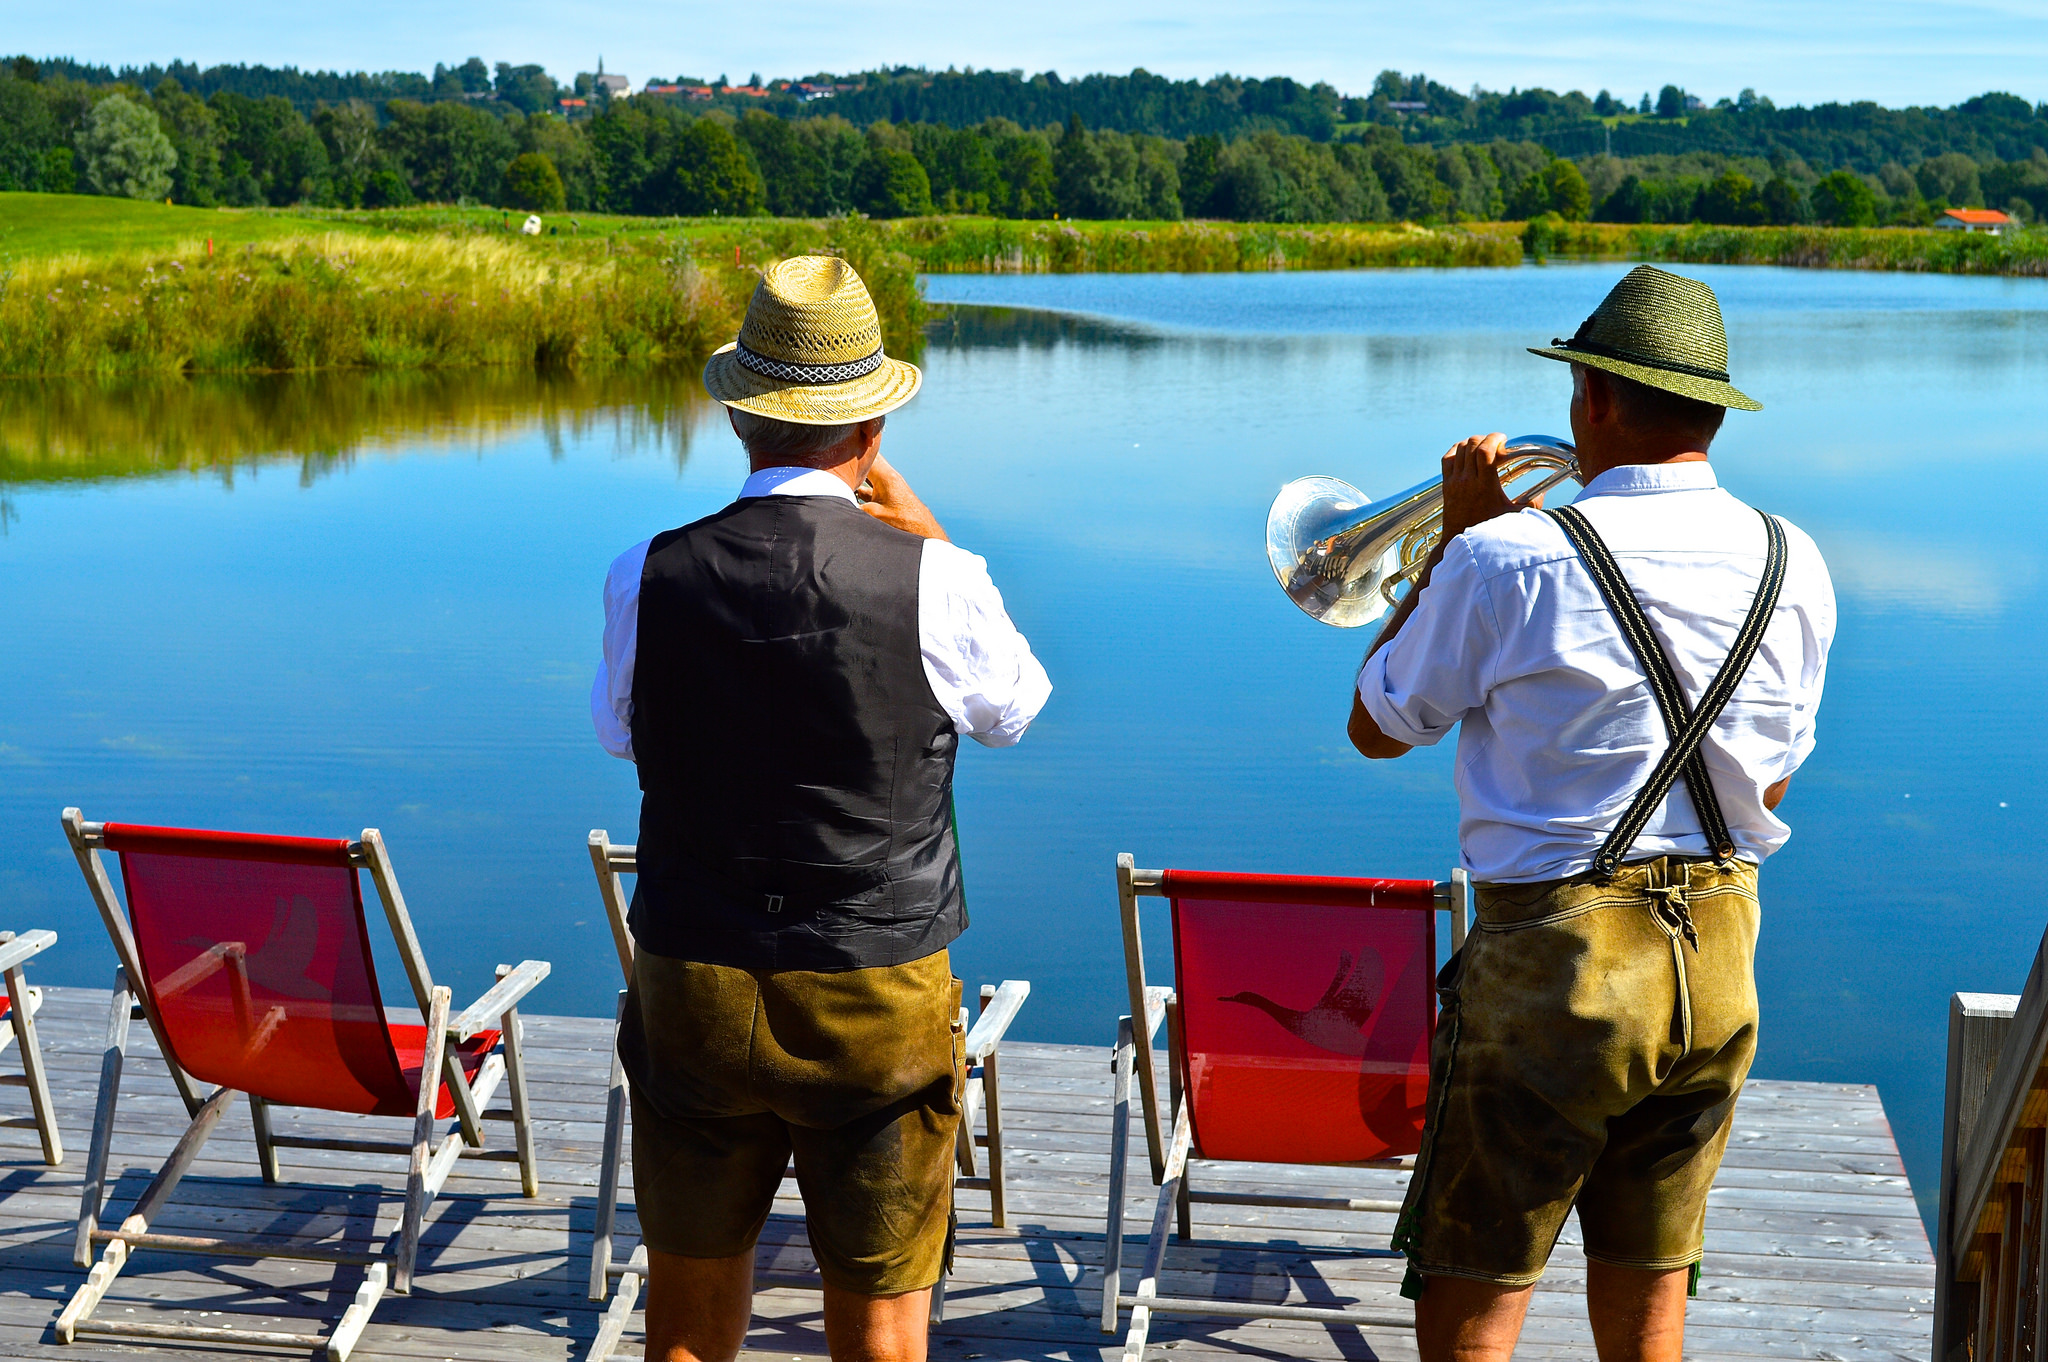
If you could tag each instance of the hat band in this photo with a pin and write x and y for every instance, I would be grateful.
(812, 375)
(1593, 347)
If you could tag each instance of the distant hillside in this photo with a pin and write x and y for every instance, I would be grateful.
(908, 141)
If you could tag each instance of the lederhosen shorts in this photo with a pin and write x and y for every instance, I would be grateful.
(857, 1073)
(1590, 1046)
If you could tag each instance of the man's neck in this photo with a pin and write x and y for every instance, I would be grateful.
(847, 472)
(1595, 462)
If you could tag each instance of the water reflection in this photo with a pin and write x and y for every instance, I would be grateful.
(56, 431)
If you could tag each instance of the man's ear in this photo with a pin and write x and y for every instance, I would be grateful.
(1599, 397)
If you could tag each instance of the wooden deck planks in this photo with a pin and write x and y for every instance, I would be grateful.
(1815, 1249)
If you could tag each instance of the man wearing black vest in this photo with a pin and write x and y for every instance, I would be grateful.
(791, 676)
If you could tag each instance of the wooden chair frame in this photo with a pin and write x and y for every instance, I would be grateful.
(23, 1004)
(430, 1160)
(1171, 1153)
(983, 1095)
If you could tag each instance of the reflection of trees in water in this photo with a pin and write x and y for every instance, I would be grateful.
(965, 326)
(76, 429)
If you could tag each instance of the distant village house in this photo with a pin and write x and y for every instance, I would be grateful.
(1988, 220)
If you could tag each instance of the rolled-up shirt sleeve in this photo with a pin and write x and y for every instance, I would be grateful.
(611, 693)
(1439, 667)
(981, 669)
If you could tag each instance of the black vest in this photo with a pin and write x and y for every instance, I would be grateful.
(796, 770)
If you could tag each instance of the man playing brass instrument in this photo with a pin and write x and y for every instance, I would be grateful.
(1636, 678)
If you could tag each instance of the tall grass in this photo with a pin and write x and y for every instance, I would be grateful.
(1841, 248)
(997, 246)
(351, 299)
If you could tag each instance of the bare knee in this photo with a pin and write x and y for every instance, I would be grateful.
(876, 1328)
(698, 1308)
(1461, 1320)
(1638, 1315)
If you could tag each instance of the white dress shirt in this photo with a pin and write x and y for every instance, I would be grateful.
(1512, 639)
(980, 668)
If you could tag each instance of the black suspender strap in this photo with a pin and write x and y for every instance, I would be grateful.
(1687, 725)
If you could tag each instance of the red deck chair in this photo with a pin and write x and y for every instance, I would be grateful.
(18, 1007)
(1297, 1033)
(983, 1094)
(250, 958)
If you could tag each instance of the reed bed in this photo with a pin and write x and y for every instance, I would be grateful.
(996, 246)
(1909, 249)
(354, 299)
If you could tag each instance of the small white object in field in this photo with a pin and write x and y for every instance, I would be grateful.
(531, 227)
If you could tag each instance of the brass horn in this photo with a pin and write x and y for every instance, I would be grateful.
(1340, 557)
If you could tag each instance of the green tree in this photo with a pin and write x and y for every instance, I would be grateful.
(712, 176)
(28, 136)
(1557, 188)
(1951, 176)
(565, 144)
(892, 184)
(1842, 199)
(268, 153)
(1407, 176)
(1630, 202)
(1198, 175)
(1783, 204)
(529, 89)
(1732, 200)
(533, 183)
(1670, 102)
(349, 132)
(792, 170)
(196, 136)
(1030, 185)
(447, 152)
(125, 151)
(1077, 166)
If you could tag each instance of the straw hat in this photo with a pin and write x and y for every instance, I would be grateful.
(1661, 329)
(810, 349)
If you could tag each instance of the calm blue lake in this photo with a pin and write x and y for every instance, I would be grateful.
(314, 605)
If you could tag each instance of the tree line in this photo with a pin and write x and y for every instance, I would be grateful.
(660, 156)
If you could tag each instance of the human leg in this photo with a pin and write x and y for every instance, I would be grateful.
(1458, 1319)
(869, 1063)
(705, 1167)
(1638, 1315)
(698, 1308)
(862, 1328)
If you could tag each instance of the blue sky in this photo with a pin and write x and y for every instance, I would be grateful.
(1804, 51)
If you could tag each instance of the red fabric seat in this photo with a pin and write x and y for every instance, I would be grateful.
(410, 1042)
(259, 964)
(1306, 1011)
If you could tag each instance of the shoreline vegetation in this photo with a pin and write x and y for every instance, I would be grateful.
(110, 287)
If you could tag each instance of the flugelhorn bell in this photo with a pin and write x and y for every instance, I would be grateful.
(1341, 556)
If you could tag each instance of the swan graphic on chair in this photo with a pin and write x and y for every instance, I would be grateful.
(1337, 1022)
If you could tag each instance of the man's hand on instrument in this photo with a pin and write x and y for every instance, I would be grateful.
(886, 496)
(1472, 491)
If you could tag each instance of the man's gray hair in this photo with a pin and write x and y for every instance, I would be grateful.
(788, 442)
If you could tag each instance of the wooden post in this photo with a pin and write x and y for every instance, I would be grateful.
(1977, 1025)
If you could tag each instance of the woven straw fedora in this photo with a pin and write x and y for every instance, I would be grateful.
(1661, 329)
(810, 349)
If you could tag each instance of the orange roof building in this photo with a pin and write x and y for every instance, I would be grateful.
(1988, 220)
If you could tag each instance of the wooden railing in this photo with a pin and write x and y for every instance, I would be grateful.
(1992, 1237)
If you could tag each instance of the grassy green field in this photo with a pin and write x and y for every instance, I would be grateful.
(114, 287)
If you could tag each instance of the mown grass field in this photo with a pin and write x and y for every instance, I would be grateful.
(114, 287)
